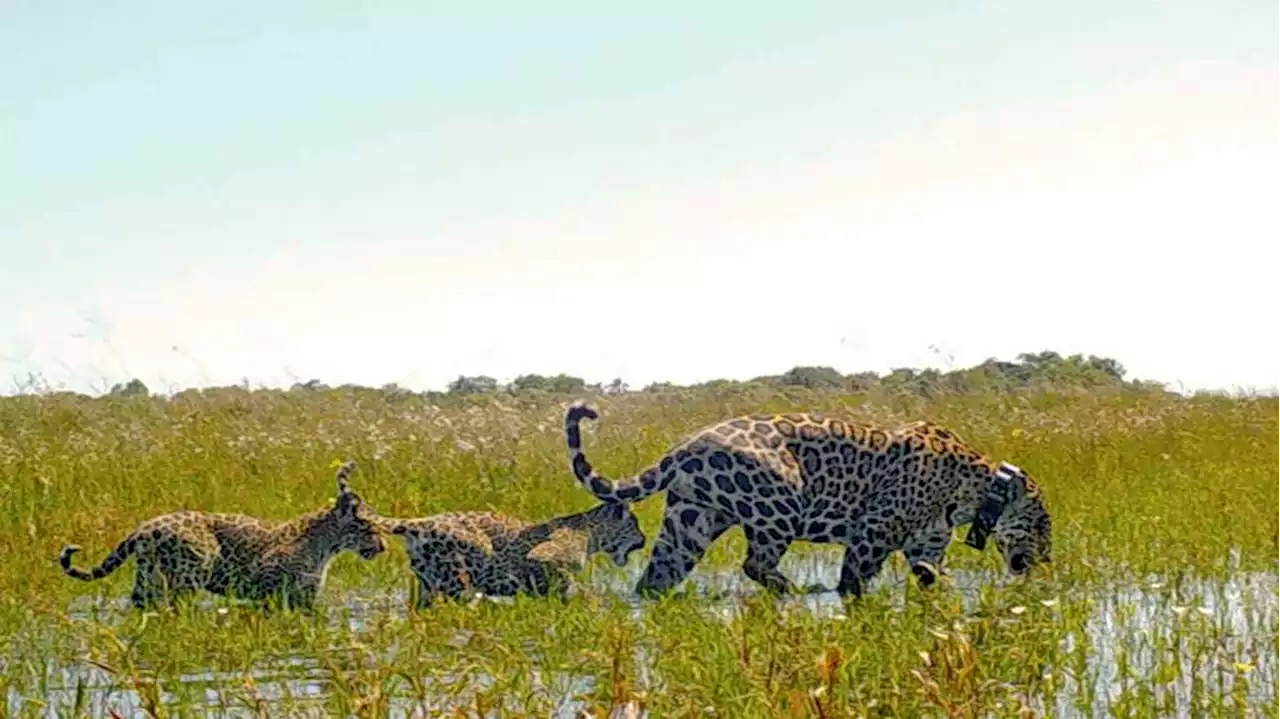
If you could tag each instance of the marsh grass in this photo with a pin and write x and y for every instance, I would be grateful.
(1162, 598)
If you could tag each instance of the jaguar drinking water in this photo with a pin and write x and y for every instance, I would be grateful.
(804, 476)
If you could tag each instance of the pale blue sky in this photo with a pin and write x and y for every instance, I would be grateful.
(445, 170)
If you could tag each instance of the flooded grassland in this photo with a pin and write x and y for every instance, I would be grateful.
(1161, 601)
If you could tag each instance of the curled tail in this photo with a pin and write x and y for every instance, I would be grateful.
(109, 565)
(632, 489)
(343, 474)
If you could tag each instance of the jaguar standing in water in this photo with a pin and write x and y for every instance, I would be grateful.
(803, 476)
(458, 553)
(180, 553)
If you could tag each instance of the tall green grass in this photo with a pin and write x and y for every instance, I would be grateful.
(1164, 507)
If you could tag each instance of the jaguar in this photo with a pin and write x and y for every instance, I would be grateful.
(180, 553)
(805, 476)
(456, 554)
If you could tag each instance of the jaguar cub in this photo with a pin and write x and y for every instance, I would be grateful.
(460, 553)
(237, 555)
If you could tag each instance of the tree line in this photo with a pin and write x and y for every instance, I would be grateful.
(1036, 370)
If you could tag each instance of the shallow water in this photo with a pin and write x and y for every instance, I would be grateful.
(1135, 619)
(1127, 618)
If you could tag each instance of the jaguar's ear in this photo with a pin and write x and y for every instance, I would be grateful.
(1005, 487)
(1019, 486)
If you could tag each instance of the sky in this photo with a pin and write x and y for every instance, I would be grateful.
(197, 194)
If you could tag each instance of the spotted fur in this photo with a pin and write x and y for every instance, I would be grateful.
(461, 553)
(804, 476)
(237, 555)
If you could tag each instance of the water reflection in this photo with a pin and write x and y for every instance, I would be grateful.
(1138, 623)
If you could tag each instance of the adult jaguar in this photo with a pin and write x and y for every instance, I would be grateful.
(804, 476)
(234, 554)
(458, 553)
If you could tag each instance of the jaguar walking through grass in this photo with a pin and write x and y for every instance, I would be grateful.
(238, 555)
(458, 553)
(804, 476)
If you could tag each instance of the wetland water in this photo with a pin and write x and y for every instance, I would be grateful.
(1136, 633)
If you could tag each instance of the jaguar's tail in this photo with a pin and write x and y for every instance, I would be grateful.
(109, 565)
(652, 480)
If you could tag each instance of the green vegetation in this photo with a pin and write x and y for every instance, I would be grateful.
(1162, 596)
